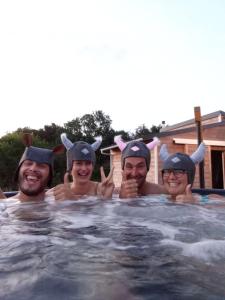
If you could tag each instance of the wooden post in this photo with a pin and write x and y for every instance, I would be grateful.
(197, 111)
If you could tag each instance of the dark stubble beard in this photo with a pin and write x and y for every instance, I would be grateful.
(35, 192)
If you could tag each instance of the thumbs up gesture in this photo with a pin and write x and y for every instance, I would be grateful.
(187, 197)
(64, 191)
(129, 187)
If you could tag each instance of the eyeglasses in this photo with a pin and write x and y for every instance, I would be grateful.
(176, 173)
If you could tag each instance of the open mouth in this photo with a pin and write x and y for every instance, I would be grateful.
(83, 174)
(173, 184)
(32, 179)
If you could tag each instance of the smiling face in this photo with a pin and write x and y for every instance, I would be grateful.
(82, 171)
(33, 177)
(135, 168)
(175, 181)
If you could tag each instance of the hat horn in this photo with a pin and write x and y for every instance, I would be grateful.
(97, 143)
(163, 153)
(199, 154)
(66, 142)
(153, 144)
(120, 143)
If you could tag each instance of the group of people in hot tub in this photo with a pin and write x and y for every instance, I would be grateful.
(35, 171)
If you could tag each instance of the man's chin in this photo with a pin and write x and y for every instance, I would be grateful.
(32, 191)
(35, 192)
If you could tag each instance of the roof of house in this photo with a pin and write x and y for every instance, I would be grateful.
(182, 127)
(192, 121)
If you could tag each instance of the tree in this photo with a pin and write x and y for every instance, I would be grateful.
(74, 129)
(95, 124)
(155, 129)
(141, 132)
(50, 133)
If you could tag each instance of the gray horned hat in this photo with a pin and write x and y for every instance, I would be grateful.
(182, 161)
(39, 155)
(80, 150)
(135, 149)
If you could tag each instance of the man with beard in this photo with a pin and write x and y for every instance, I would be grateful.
(35, 171)
(135, 162)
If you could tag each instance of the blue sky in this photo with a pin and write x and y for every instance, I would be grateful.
(140, 62)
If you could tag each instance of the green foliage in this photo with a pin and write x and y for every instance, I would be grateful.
(85, 128)
(51, 134)
(142, 131)
(155, 129)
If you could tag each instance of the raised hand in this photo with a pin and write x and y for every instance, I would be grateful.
(64, 191)
(129, 187)
(187, 197)
(106, 186)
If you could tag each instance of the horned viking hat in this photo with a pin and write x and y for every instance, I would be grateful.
(182, 161)
(135, 149)
(38, 155)
(80, 150)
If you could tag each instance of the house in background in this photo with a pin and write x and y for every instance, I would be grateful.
(182, 137)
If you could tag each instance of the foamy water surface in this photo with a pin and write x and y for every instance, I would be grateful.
(146, 248)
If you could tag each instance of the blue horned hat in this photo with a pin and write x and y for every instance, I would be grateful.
(80, 150)
(135, 149)
(39, 155)
(182, 161)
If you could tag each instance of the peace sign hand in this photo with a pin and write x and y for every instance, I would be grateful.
(106, 186)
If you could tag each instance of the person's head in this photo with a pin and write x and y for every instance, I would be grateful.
(35, 169)
(135, 158)
(81, 157)
(179, 169)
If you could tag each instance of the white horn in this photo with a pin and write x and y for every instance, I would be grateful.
(66, 142)
(97, 143)
(163, 153)
(199, 154)
(154, 143)
(120, 143)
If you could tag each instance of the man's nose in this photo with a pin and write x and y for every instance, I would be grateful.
(33, 165)
(134, 172)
